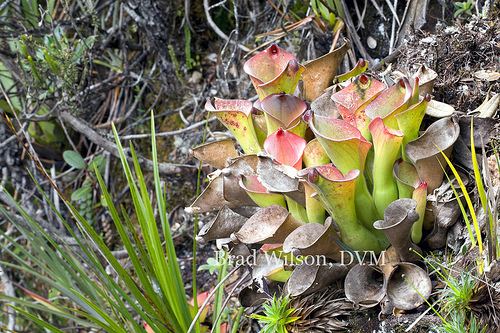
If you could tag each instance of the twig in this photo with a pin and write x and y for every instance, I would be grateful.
(393, 11)
(351, 29)
(409, 19)
(55, 195)
(138, 97)
(335, 40)
(10, 139)
(365, 6)
(379, 10)
(5, 4)
(278, 37)
(210, 295)
(171, 133)
(278, 10)
(419, 318)
(393, 29)
(287, 28)
(8, 289)
(404, 18)
(68, 137)
(120, 254)
(389, 59)
(360, 18)
(167, 112)
(217, 30)
(184, 120)
(187, 6)
(236, 33)
(81, 127)
(226, 301)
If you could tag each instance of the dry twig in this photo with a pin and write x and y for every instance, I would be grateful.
(351, 29)
(83, 128)
(217, 30)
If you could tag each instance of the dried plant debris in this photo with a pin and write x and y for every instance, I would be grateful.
(326, 311)
(13, 174)
(485, 304)
(465, 57)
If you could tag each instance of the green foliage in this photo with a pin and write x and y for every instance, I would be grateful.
(457, 325)
(53, 63)
(53, 66)
(96, 290)
(458, 293)
(82, 197)
(485, 205)
(455, 300)
(47, 132)
(175, 63)
(9, 87)
(236, 323)
(463, 8)
(74, 159)
(212, 266)
(190, 62)
(278, 314)
(29, 9)
(460, 320)
(495, 217)
(219, 295)
(325, 12)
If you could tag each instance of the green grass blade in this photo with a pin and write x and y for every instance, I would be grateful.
(109, 284)
(169, 244)
(154, 245)
(150, 291)
(162, 267)
(469, 203)
(38, 321)
(138, 263)
(76, 315)
(196, 221)
(475, 223)
(219, 295)
(480, 186)
(462, 210)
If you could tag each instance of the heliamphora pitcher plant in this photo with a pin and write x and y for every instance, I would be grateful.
(350, 174)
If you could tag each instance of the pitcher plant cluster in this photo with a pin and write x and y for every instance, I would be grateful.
(325, 168)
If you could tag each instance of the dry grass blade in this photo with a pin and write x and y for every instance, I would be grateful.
(492, 197)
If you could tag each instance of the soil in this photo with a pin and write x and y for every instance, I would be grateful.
(366, 321)
(456, 53)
